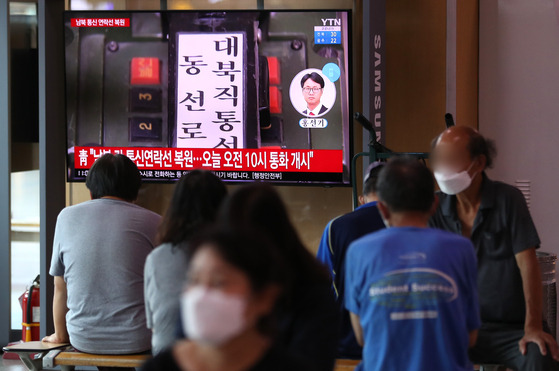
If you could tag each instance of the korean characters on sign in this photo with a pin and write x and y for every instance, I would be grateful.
(210, 90)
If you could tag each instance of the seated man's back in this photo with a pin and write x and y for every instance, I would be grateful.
(414, 292)
(100, 249)
(98, 256)
(336, 239)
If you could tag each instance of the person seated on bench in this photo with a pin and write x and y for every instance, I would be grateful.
(412, 290)
(196, 200)
(100, 247)
(339, 233)
(229, 307)
(495, 217)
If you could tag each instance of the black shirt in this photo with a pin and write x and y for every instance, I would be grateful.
(308, 328)
(502, 228)
(274, 360)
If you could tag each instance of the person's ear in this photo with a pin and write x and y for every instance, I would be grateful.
(482, 162)
(435, 205)
(383, 209)
(266, 299)
(478, 164)
(361, 200)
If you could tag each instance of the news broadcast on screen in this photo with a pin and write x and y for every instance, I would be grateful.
(249, 95)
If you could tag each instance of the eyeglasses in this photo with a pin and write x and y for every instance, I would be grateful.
(314, 90)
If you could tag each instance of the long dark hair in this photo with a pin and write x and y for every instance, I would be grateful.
(194, 206)
(254, 254)
(259, 207)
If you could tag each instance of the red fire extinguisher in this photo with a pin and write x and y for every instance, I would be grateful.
(31, 312)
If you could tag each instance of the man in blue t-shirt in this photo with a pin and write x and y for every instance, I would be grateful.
(337, 236)
(411, 290)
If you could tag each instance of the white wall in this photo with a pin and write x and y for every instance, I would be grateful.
(519, 101)
(25, 249)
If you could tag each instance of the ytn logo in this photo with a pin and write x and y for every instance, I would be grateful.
(331, 22)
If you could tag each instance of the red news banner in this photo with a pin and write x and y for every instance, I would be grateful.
(100, 22)
(220, 159)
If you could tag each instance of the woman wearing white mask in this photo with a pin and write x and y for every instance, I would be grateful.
(308, 317)
(228, 308)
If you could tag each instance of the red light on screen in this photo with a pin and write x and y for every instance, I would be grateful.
(144, 71)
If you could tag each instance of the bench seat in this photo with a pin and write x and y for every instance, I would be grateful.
(102, 360)
(346, 364)
(52, 355)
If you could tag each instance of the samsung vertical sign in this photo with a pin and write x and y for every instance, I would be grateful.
(374, 65)
(378, 114)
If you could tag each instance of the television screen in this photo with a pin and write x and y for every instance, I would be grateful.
(249, 95)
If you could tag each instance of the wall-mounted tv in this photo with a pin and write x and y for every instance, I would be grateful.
(249, 95)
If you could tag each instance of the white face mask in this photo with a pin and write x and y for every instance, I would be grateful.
(453, 183)
(210, 316)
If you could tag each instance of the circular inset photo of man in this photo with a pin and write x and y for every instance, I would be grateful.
(311, 93)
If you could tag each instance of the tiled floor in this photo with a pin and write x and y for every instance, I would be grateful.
(9, 365)
(13, 365)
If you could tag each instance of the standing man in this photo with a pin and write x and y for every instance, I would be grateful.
(495, 217)
(337, 237)
(100, 247)
(411, 290)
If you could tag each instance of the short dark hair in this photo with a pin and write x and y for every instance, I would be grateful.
(406, 184)
(479, 145)
(194, 205)
(314, 77)
(114, 175)
(370, 184)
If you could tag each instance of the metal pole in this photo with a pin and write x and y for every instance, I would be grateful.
(451, 12)
(5, 171)
(354, 177)
(52, 141)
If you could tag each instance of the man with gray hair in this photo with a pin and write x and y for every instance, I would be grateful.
(494, 215)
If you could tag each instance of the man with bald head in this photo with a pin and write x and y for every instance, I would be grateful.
(494, 215)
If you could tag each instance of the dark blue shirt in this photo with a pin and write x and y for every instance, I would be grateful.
(337, 237)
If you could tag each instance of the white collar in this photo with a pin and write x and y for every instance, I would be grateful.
(315, 111)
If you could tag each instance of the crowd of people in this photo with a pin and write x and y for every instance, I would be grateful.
(413, 279)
